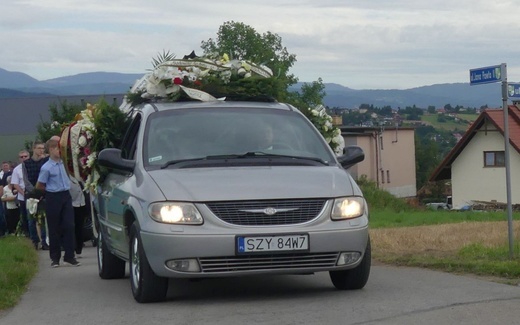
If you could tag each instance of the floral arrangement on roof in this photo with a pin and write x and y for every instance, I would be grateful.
(205, 79)
(96, 127)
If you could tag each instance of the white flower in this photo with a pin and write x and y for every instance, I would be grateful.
(156, 89)
(55, 124)
(91, 159)
(315, 112)
(82, 141)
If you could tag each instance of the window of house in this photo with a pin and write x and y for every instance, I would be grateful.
(494, 159)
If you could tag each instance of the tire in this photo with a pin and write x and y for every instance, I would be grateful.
(146, 286)
(355, 278)
(109, 266)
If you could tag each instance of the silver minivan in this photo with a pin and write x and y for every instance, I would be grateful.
(219, 189)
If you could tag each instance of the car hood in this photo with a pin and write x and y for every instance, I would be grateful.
(258, 183)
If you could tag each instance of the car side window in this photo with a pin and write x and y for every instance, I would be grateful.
(129, 145)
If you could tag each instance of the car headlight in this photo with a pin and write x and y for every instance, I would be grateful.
(175, 213)
(348, 208)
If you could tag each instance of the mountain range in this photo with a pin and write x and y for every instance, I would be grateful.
(18, 84)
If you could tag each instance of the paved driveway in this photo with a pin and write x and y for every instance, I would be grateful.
(76, 295)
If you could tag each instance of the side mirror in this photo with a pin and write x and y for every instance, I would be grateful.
(351, 156)
(111, 158)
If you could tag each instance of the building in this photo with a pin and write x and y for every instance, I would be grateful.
(389, 157)
(476, 165)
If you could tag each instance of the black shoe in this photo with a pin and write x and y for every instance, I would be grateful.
(55, 264)
(45, 247)
(71, 262)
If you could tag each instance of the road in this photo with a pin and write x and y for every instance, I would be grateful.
(393, 295)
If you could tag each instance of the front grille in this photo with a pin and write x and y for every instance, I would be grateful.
(268, 262)
(253, 213)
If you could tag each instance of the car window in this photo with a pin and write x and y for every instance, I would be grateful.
(129, 144)
(197, 133)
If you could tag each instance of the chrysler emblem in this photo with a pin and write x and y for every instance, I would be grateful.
(268, 211)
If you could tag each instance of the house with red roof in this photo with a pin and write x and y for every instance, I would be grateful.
(476, 165)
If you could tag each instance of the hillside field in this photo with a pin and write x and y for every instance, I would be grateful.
(450, 124)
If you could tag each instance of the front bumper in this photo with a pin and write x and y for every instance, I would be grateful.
(216, 253)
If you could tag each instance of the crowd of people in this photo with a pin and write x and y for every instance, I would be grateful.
(42, 202)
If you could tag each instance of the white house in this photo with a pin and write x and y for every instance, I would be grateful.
(476, 165)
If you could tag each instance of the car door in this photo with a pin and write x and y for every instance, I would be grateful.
(115, 194)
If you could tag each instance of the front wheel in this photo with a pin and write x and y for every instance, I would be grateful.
(146, 286)
(355, 278)
(109, 266)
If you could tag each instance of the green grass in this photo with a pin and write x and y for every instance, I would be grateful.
(385, 218)
(18, 265)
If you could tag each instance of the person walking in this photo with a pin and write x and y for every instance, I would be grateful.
(12, 211)
(31, 171)
(53, 179)
(3, 222)
(19, 185)
(81, 212)
(4, 173)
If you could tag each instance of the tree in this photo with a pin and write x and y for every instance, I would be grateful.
(431, 109)
(60, 114)
(310, 95)
(243, 42)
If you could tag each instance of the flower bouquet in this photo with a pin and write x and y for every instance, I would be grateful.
(323, 122)
(97, 127)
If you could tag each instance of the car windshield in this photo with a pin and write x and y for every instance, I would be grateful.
(175, 136)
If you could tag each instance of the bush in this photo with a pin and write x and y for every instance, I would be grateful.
(380, 199)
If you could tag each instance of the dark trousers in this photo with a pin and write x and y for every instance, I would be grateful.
(80, 213)
(60, 220)
(24, 218)
(12, 216)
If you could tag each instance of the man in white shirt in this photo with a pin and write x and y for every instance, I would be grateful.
(19, 185)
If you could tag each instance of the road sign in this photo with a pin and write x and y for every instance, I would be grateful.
(486, 75)
(513, 90)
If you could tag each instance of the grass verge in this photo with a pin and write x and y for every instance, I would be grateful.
(18, 265)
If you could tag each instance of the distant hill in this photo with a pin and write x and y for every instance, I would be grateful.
(98, 83)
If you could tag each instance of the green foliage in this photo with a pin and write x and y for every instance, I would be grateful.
(111, 124)
(242, 42)
(379, 199)
(61, 114)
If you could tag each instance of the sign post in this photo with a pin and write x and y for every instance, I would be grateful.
(489, 75)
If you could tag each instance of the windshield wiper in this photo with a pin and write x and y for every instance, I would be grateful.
(178, 161)
(262, 154)
(250, 154)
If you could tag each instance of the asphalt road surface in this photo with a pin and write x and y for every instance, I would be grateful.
(393, 295)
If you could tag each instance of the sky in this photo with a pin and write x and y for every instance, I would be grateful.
(360, 44)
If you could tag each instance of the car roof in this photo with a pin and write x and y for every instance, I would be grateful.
(221, 104)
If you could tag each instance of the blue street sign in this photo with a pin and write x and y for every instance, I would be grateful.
(486, 75)
(513, 90)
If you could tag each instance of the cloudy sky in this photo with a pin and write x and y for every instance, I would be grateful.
(361, 44)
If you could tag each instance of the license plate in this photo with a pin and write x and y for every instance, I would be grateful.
(274, 243)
